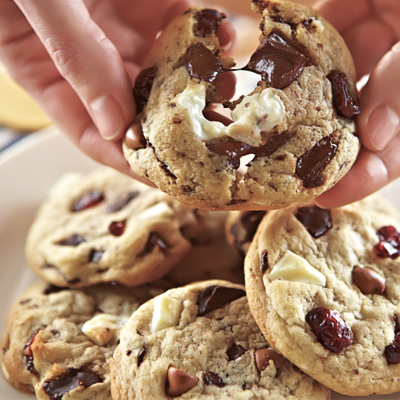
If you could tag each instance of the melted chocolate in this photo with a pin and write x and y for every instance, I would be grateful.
(201, 63)
(142, 88)
(342, 100)
(27, 353)
(234, 149)
(208, 22)
(316, 220)
(214, 297)
(277, 61)
(311, 164)
(71, 379)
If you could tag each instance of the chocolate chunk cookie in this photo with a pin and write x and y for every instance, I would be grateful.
(106, 227)
(200, 341)
(289, 140)
(58, 341)
(324, 288)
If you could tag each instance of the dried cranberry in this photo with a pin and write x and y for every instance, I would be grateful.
(330, 329)
(389, 243)
(88, 200)
(117, 228)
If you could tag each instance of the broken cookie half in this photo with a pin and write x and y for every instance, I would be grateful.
(289, 140)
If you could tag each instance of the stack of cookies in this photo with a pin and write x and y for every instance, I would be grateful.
(196, 291)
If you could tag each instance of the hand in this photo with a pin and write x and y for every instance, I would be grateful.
(79, 58)
(372, 32)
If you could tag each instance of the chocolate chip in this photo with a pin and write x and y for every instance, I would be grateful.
(263, 358)
(210, 378)
(201, 63)
(311, 164)
(214, 297)
(121, 202)
(264, 262)
(207, 22)
(368, 281)
(316, 220)
(142, 88)
(235, 351)
(27, 354)
(73, 240)
(278, 61)
(134, 138)
(53, 289)
(141, 354)
(88, 200)
(117, 228)
(154, 242)
(71, 379)
(179, 382)
(342, 100)
(95, 256)
(234, 149)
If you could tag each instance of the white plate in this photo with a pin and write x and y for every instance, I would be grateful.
(27, 170)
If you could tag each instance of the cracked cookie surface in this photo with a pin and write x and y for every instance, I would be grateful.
(105, 227)
(200, 341)
(294, 125)
(323, 286)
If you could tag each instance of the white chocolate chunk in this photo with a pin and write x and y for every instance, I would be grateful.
(166, 313)
(255, 113)
(294, 268)
(158, 210)
(102, 328)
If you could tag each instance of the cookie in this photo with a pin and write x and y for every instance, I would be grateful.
(211, 256)
(240, 228)
(106, 227)
(289, 140)
(58, 341)
(324, 288)
(200, 341)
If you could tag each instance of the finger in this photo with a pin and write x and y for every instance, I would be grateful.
(87, 59)
(371, 172)
(379, 121)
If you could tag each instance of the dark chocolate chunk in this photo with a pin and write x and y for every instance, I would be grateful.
(49, 289)
(71, 379)
(342, 100)
(234, 149)
(208, 22)
(214, 297)
(134, 138)
(264, 262)
(142, 88)
(154, 242)
(210, 378)
(311, 164)
(235, 351)
(73, 240)
(88, 200)
(277, 61)
(179, 382)
(95, 256)
(316, 220)
(121, 202)
(141, 355)
(201, 63)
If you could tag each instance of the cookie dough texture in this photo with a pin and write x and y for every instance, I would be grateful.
(182, 164)
(198, 346)
(369, 309)
(45, 350)
(106, 227)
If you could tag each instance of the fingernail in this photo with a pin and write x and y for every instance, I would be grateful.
(107, 116)
(383, 125)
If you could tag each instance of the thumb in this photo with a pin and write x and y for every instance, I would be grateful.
(379, 121)
(87, 59)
